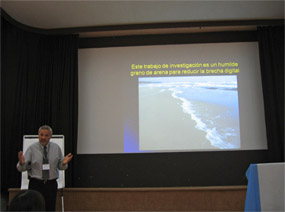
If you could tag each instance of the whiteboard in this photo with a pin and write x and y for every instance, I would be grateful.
(31, 139)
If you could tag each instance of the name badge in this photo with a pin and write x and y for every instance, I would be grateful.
(45, 166)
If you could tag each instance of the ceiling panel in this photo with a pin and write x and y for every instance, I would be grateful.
(68, 14)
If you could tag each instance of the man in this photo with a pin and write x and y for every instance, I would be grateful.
(42, 161)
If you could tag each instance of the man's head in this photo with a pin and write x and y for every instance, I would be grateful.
(45, 133)
(28, 200)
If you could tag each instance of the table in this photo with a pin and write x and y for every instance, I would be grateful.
(265, 190)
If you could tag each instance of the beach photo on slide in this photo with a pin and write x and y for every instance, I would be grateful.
(193, 112)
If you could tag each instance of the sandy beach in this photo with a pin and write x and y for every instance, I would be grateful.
(164, 126)
(220, 123)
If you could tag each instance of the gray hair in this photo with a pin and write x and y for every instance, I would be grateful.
(46, 127)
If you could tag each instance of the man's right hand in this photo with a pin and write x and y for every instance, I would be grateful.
(21, 158)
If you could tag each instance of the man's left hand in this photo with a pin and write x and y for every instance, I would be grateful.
(67, 159)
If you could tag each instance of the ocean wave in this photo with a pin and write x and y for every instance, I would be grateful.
(216, 139)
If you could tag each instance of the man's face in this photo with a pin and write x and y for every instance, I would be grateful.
(44, 136)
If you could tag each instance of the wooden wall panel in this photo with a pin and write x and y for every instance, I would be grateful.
(224, 198)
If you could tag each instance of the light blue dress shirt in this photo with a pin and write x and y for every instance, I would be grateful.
(34, 161)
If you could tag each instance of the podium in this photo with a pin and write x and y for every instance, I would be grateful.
(265, 189)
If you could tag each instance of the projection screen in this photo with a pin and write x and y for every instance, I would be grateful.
(170, 98)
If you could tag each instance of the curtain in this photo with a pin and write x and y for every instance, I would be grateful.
(271, 49)
(39, 85)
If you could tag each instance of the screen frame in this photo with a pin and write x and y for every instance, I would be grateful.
(215, 168)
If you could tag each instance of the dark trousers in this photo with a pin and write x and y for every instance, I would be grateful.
(48, 189)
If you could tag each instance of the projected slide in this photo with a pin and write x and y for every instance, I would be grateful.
(195, 112)
(170, 98)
